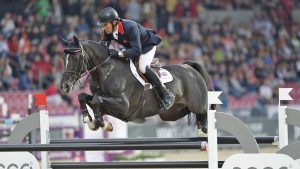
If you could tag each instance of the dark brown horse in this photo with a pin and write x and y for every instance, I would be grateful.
(116, 92)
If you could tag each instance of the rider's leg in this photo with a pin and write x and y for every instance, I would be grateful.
(166, 96)
(146, 59)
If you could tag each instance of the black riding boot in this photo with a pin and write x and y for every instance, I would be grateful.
(166, 96)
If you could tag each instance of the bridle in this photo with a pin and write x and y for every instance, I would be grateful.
(85, 64)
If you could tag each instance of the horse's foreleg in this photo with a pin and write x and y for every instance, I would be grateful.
(99, 122)
(93, 124)
(84, 99)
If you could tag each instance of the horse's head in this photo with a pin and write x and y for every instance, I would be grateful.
(79, 57)
(75, 64)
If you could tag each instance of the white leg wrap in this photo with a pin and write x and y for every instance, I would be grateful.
(201, 133)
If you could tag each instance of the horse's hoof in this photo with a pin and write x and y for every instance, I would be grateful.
(108, 127)
(93, 125)
(204, 130)
(201, 133)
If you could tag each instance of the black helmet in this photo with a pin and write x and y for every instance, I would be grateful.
(108, 15)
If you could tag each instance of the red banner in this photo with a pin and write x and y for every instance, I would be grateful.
(40, 99)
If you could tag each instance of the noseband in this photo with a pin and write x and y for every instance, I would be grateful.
(78, 75)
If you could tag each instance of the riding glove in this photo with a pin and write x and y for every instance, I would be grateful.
(113, 53)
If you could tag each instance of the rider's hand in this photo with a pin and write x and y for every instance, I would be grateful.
(113, 53)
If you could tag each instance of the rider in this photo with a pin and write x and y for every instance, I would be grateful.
(140, 44)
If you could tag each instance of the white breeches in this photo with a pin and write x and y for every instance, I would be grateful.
(146, 59)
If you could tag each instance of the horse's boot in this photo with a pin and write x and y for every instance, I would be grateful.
(166, 96)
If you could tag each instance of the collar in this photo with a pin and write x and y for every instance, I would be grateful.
(115, 33)
(120, 27)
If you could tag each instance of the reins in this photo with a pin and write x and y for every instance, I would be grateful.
(85, 56)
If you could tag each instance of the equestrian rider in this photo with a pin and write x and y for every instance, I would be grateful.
(140, 44)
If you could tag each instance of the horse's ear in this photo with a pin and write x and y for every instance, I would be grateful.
(64, 42)
(76, 41)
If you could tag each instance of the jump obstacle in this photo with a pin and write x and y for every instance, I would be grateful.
(216, 121)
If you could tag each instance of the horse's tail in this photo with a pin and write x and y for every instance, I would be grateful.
(199, 68)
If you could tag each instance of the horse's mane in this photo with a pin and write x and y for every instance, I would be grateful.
(95, 42)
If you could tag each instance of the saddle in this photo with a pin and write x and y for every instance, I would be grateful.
(155, 65)
(164, 75)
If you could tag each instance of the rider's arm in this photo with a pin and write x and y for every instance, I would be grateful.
(135, 43)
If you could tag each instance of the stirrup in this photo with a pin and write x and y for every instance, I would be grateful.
(163, 106)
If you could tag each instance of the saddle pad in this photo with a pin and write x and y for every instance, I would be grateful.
(165, 75)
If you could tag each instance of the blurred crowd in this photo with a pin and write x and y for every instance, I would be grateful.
(252, 58)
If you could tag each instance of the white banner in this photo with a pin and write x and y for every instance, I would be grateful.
(213, 97)
(284, 94)
(22, 160)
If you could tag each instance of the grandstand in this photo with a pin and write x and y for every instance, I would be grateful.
(249, 47)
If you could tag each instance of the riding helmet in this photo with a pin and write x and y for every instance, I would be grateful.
(108, 15)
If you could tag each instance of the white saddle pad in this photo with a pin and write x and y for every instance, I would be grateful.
(165, 75)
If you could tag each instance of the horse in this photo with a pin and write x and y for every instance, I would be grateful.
(118, 93)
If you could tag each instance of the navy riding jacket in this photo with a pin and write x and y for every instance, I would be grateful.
(137, 39)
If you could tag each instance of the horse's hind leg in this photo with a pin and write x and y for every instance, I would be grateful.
(199, 108)
(174, 113)
(201, 120)
(177, 112)
(201, 117)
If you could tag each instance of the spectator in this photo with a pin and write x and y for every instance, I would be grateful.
(237, 88)
(13, 43)
(82, 27)
(134, 10)
(6, 74)
(7, 24)
(3, 46)
(26, 80)
(42, 8)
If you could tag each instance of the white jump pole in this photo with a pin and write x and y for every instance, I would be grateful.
(4, 106)
(212, 130)
(30, 101)
(282, 117)
(45, 139)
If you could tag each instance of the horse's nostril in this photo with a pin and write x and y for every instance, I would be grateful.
(66, 86)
